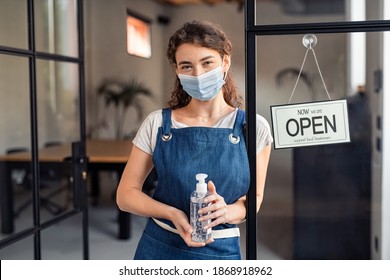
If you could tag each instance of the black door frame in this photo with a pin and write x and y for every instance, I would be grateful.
(78, 159)
(251, 32)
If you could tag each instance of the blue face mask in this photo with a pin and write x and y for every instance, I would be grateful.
(203, 87)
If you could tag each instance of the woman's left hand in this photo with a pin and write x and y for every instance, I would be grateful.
(217, 209)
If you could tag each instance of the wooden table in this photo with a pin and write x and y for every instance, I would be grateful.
(110, 155)
(98, 151)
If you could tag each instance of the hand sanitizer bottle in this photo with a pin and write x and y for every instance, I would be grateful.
(199, 234)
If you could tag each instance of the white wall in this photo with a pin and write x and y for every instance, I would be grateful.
(106, 56)
(385, 209)
(378, 59)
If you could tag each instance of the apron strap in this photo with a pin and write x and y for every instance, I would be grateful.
(166, 124)
(234, 137)
(238, 124)
(216, 234)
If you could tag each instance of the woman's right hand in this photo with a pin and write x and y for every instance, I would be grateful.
(180, 220)
(131, 198)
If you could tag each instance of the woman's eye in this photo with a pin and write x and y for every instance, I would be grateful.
(185, 67)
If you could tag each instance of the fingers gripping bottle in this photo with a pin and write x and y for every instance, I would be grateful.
(199, 234)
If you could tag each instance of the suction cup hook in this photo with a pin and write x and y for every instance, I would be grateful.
(309, 41)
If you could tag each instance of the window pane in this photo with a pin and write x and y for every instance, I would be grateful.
(15, 137)
(320, 208)
(22, 250)
(58, 126)
(314, 11)
(58, 101)
(138, 37)
(300, 11)
(56, 27)
(13, 23)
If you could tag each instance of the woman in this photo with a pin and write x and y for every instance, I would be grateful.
(200, 132)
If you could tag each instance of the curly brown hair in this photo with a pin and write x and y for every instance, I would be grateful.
(208, 35)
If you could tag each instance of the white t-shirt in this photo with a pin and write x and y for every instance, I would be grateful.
(147, 134)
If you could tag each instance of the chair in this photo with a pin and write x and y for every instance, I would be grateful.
(52, 178)
(18, 176)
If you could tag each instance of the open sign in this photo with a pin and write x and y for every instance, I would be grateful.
(308, 124)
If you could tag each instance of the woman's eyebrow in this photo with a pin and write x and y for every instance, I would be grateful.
(184, 62)
(207, 57)
(202, 59)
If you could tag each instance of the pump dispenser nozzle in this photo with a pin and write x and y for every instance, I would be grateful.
(201, 186)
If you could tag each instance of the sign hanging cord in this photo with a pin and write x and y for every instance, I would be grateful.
(309, 41)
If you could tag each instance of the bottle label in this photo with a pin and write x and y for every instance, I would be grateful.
(199, 234)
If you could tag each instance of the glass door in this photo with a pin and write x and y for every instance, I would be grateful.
(330, 202)
(42, 142)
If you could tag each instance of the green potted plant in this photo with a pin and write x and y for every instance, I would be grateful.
(123, 95)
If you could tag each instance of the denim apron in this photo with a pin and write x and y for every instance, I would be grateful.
(178, 156)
